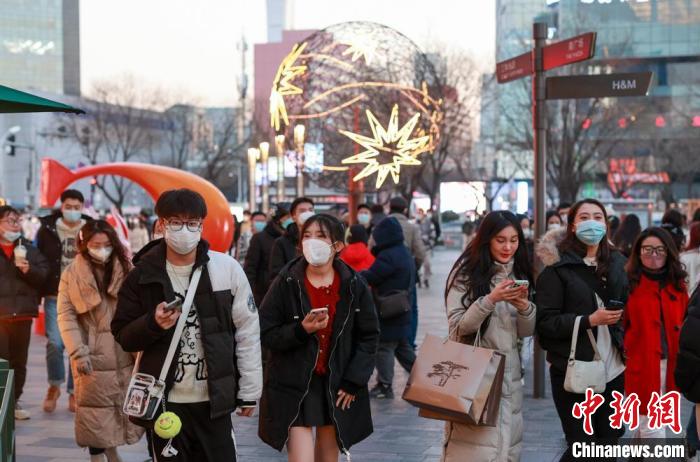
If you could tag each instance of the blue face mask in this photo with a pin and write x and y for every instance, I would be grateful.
(72, 216)
(591, 232)
(287, 222)
(259, 225)
(363, 218)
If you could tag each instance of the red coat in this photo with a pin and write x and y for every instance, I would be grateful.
(643, 337)
(357, 256)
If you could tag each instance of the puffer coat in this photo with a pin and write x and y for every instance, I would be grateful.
(84, 317)
(503, 442)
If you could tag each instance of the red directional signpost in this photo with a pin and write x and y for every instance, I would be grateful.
(534, 63)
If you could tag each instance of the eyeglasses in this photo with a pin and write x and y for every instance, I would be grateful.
(651, 250)
(12, 222)
(192, 225)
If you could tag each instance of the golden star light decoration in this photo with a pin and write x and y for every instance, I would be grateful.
(393, 140)
(282, 86)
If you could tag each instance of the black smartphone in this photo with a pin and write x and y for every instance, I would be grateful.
(615, 305)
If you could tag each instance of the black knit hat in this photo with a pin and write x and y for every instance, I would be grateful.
(357, 234)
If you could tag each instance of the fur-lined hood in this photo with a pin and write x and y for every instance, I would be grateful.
(547, 248)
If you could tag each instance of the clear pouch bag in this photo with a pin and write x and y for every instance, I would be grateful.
(143, 397)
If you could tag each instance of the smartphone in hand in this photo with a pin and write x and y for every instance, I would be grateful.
(520, 283)
(319, 311)
(615, 305)
(174, 305)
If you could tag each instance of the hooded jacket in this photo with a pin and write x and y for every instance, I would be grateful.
(228, 319)
(49, 244)
(563, 293)
(19, 292)
(392, 270)
(84, 317)
(357, 256)
(257, 260)
(293, 352)
(284, 250)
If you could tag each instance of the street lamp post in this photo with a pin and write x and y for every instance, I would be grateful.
(253, 154)
(279, 143)
(299, 131)
(264, 150)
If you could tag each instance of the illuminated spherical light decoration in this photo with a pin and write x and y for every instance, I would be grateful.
(365, 92)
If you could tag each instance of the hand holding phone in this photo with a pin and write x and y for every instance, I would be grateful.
(318, 311)
(520, 283)
(615, 305)
(174, 305)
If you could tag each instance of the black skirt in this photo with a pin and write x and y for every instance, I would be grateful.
(315, 410)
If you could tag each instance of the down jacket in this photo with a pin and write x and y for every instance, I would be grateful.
(19, 292)
(562, 294)
(293, 353)
(392, 270)
(503, 442)
(84, 317)
(687, 373)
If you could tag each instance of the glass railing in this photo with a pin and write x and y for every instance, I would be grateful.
(7, 412)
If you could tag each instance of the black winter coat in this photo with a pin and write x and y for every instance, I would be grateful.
(49, 244)
(284, 250)
(19, 292)
(256, 265)
(393, 269)
(563, 293)
(293, 353)
(134, 326)
(687, 373)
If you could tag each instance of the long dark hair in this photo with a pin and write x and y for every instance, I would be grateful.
(90, 229)
(626, 236)
(572, 244)
(676, 274)
(330, 226)
(473, 270)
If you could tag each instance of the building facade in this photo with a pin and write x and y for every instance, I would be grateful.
(40, 45)
(644, 146)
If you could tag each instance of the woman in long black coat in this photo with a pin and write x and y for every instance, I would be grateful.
(306, 386)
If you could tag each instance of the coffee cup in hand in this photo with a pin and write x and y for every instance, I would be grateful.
(20, 254)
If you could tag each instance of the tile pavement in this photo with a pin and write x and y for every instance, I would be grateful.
(400, 435)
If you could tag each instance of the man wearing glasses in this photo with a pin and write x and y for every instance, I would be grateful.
(217, 366)
(23, 270)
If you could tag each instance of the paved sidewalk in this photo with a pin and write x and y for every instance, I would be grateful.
(400, 435)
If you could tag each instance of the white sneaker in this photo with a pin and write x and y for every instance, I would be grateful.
(20, 413)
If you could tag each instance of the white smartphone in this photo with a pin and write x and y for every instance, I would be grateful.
(323, 310)
(520, 283)
(174, 305)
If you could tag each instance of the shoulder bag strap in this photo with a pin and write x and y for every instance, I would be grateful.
(182, 320)
(574, 340)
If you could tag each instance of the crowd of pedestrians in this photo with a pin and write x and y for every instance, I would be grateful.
(305, 309)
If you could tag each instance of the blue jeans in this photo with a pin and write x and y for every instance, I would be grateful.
(414, 316)
(55, 367)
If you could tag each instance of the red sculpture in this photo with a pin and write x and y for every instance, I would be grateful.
(155, 179)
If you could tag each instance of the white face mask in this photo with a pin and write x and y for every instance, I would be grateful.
(183, 241)
(302, 217)
(102, 254)
(11, 236)
(317, 252)
(553, 226)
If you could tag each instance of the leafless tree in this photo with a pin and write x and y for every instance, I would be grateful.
(122, 124)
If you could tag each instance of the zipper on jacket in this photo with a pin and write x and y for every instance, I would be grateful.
(311, 375)
(330, 371)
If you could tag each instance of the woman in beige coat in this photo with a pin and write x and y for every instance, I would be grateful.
(487, 294)
(86, 305)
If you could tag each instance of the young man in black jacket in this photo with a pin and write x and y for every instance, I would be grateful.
(217, 364)
(57, 240)
(23, 271)
(286, 247)
(258, 257)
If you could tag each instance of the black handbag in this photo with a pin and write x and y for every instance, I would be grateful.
(392, 304)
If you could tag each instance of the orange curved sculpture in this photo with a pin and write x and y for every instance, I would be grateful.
(155, 179)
